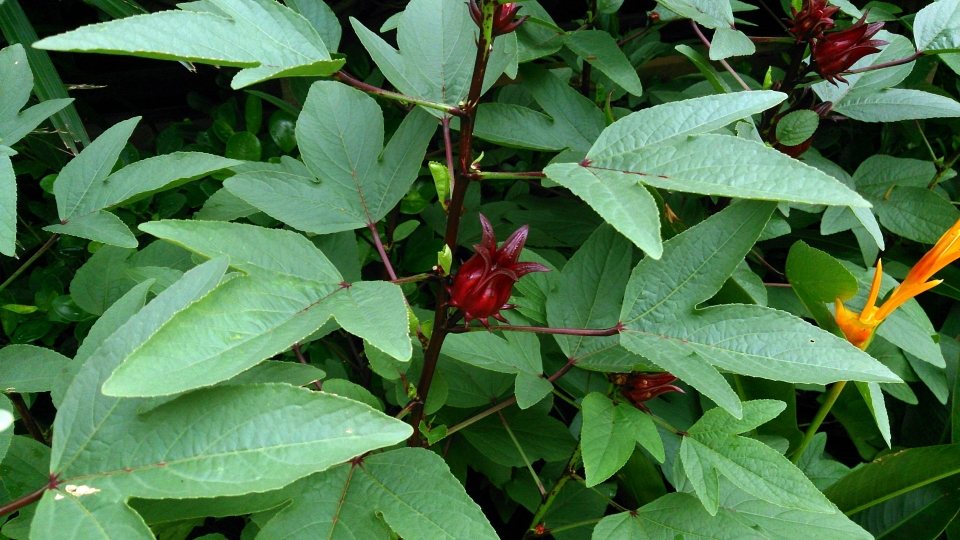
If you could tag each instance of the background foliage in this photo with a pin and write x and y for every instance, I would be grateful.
(228, 237)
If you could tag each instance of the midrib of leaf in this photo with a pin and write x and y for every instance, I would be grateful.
(343, 498)
(592, 307)
(680, 285)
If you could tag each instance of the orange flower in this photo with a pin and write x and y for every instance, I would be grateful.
(860, 327)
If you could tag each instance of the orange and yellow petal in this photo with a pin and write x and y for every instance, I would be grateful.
(857, 332)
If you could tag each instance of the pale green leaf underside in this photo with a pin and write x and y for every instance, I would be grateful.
(266, 38)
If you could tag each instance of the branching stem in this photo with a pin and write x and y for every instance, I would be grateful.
(818, 419)
(350, 80)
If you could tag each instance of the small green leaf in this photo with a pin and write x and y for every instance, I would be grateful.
(441, 180)
(445, 259)
(600, 49)
(243, 145)
(25, 368)
(609, 433)
(797, 127)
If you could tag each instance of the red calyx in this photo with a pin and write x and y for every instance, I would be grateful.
(796, 150)
(483, 284)
(504, 17)
(837, 51)
(812, 20)
(640, 387)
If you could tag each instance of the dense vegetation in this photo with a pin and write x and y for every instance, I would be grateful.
(458, 270)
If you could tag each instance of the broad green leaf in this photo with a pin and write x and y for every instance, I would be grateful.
(253, 250)
(22, 470)
(780, 523)
(675, 514)
(411, 490)
(823, 472)
(505, 352)
(896, 104)
(713, 446)
(726, 166)
(283, 300)
(250, 432)
(350, 179)
(471, 386)
(919, 514)
(224, 206)
(710, 13)
(677, 119)
(713, 77)
(264, 37)
(6, 425)
(729, 42)
(571, 122)
(619, 198)
(609, 433)
(892, 475)
(589, 295)
(8, 203)
(322, 18)
(101, 280)
(542, 37)
(916, 213)
(937, 27)
(91, 168)
(437, 42)
(600, 49)
(100, 226)
(280, 372)
(26, 368)
(16, 83)
(873, 396)
(662, 323)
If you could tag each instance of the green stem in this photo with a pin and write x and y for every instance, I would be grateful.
(555, 490)
(29, 261)
(509, 175)
(831, 398)
(523, 455)
(947, 164)
(663, 423)
(560, 395)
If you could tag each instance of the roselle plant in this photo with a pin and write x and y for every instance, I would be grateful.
(294, 319)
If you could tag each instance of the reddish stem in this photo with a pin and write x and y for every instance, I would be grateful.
(29, 498)
(703, 38)
(31, 424)
(448, 150)
(383, 253)
(303, 360)
(891, 63)
(349, 80)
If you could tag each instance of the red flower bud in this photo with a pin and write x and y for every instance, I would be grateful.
(640, 387)
(796, 150)
(837, 51)
(482, 285)
(503, 17)
(812, 20)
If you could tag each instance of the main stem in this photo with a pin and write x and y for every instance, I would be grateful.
(455, 209)
(551, 496)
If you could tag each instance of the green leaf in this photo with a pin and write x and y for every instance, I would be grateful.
(797, 127)
(264, 37)
(937, 27)
(662, 323)
(508, 352)
(89, 170)
(600, 49)
(16, 83)
(589, 295)
(531, 389)
(281, 372)
(350, 179)
(100, 281)
(409, 489)
(892, 475)
(678, 119)
(727, 166)
(243, 145)
(248, 430)
(919, 514)
(675, 514)
(251, 318)
(729, 42)
(873, 396)
(609, 433)
(823, 472)
(713, 77)
(8, 204)
(620, 199)
(437, 41)
(713, 447)
(896, 104)
(571, 121)
(47, 85)
(100, 227)
(710, 13)
(26, 368)
(323, 19)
